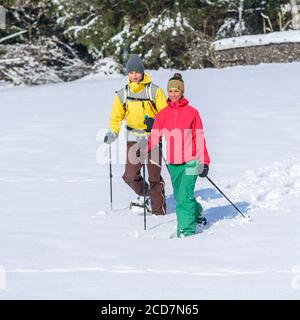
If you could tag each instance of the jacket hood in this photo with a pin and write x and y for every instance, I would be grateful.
(177, 104)
(139, 86)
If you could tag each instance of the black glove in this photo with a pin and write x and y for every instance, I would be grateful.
(204, 172)
(149, 123)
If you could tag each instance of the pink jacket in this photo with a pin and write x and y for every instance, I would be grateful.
(182, 128)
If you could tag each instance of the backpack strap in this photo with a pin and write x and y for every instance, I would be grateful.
(123, 94)
(150, 90)
(126, 93)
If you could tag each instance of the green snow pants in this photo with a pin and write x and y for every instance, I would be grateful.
(188, 210)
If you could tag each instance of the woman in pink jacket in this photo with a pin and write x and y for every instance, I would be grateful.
(187, 155)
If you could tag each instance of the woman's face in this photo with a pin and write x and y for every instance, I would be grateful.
(174, 94)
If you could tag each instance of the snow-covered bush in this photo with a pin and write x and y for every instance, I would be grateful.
(107, 67)
(48, 62)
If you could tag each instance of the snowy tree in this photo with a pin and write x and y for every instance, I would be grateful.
(167, 40)
(170, 34)
(295, 13)
(254, 16)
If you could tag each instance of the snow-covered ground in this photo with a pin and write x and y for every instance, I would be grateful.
(60, 240)
(291, 36)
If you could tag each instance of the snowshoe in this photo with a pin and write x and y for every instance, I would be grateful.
(201, 224)
(138, 203)
(202, 221)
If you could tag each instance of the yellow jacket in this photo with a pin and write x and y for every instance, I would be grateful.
(135, 110)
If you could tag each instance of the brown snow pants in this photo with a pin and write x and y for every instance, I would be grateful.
(132, 176)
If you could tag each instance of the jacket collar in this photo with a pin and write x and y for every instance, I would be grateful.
(177, 104)
(136, 87)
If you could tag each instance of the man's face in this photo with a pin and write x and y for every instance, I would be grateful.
(135, 76)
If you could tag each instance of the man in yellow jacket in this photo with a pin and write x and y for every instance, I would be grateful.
(137, 104)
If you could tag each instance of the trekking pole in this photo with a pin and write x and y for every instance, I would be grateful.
(144, 194)
(163, 157)
(142, 159)
(110, 179)
(223, 194)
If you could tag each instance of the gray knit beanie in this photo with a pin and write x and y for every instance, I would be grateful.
(135, 63)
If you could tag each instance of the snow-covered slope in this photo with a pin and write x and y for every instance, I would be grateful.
(59, 238)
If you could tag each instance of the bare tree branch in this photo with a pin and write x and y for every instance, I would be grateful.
(12, 36)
